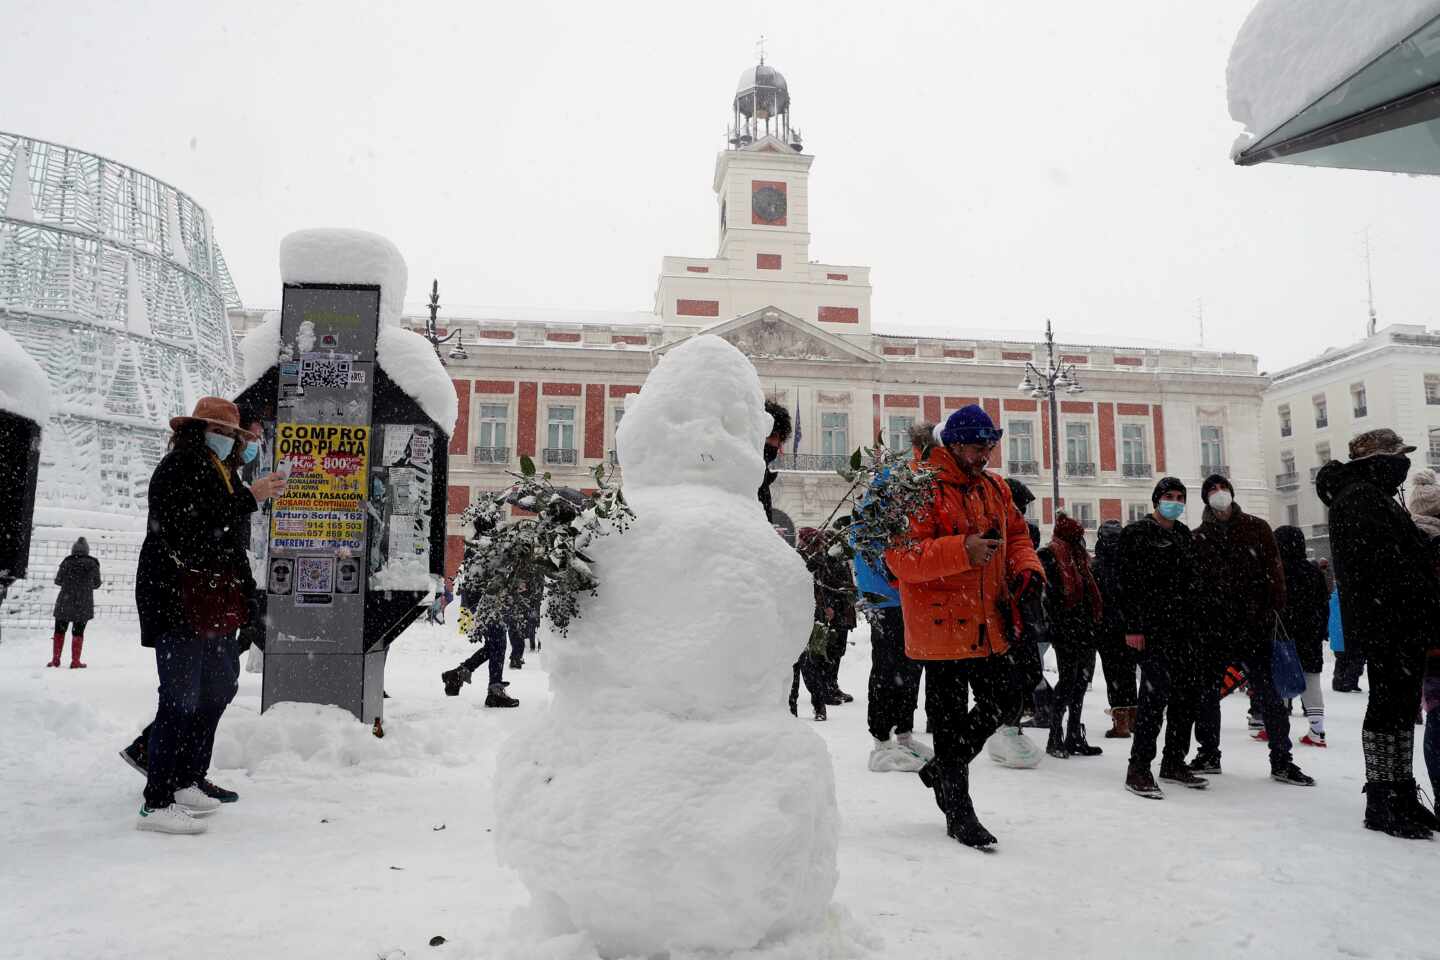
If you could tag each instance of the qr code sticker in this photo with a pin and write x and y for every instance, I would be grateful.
(327, 372)
(315, 575)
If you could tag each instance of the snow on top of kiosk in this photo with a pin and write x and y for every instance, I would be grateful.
(1291, 53)
(329, 255)
(24, 388)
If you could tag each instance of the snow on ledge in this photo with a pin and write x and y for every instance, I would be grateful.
(24, 388)
(1291, 53)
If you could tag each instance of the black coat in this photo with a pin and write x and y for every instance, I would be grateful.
(1158, 582)
(769, 453)
(1306, 614)
(1111, 630)
(1389, 590)
(193, 525)
(79, 578)
(1071, 627)
(1244, 586)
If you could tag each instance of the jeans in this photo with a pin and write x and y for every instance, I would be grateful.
(198, 679)
(517, 639)
(894, 678)
(492, 652)
(960, 734)
(1169, 697)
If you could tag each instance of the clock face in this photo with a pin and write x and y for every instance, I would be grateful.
(767, 203)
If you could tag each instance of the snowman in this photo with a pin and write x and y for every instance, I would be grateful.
(667, 800)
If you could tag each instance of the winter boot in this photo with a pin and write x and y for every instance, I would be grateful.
(1382, 812)
(952, 796)
(76, 645)
(497, 697)
(1206, 764)
(820, 714)
(1044, 699)
(135, 756)
(1179, 773)
(1141, 782)
(454, 679)
(1077, 746)
(1055, 745)
(1122, 723)
(59, 642)
(1289, 773)
(517, 663)
(1409, 804)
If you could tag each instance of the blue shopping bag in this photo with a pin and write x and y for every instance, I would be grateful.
(1289, 676)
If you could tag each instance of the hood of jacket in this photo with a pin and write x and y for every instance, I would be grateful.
(1336, 477)
(1291, 541)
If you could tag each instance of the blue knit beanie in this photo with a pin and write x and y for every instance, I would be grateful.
(969, 425)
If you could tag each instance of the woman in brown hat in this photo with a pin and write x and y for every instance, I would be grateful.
(191, 588)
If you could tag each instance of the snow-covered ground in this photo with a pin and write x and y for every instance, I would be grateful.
(344, 846)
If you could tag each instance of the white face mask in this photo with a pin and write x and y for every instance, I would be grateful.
(1221, 500)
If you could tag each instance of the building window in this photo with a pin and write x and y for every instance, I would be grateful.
(1133, 455)
(1136, 511)
(1021, 434)
(1322, 412)
(1212, 451)
(1287, 462)
(616, 415)
(1432, 389)
(492, 425)
(898, 434)
(1435, 446)
(1083, 513)
(1285, 426)
(1357, 400)
(835, 434)
(1322, 457)
(1292, 514)
(560, 435)
(1077, 450)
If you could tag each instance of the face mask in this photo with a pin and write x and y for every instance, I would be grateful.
(219, 444)
(1395, 468)
(1220, 500)
(251, 451)
(1172, 509)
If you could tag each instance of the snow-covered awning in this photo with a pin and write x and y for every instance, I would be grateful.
(1339, 83)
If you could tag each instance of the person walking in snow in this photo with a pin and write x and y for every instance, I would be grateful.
(192, 586)
(1425, 510)
(1390, 599)
(969, 555)
(1306, 617)
(779, 434)
(1075, 612)
(1242, 584)
(78, 579)
(1158, 580)
(493, 637)
(835, 597)
(1008, 746)
(1115, 655)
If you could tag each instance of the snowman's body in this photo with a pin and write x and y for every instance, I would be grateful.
(666, 800)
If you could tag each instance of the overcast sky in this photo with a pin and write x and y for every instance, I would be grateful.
(994, 164)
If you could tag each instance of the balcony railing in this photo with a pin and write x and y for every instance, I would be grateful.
(1285, 430)
(1320, 529)
(1433, 458)
(1073, 469)
(1287, 481)
(812, 462)
(1432, 399)
(1023, 468)
(1137, 470)
(490, 455)
(560, 456)
(1361, 412)
(1210, 469)
(1321, 423)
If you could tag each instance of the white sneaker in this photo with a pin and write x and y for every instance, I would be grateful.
(169, 819)
(920, 748)
(1011, 748)
(195, 803)
(889, 757)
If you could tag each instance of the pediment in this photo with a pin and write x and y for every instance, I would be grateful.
(771, 333)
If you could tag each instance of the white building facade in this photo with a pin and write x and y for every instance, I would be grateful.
(1312, 410)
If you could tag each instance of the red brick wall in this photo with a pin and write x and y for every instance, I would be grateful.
(1045, 437)
(497, 334)
(1111, 510)
(992, 407)
(1013, 355)
(837, 276)
(955, 403)
(1107, 436)
(461, 436)
(1074, 358)
(960, 354)
(902, 400)
(1159, 420)
(457, 498)
(1076, 406)
(1049, 508)
(525, 421)
(876, 398)
(621, 389)
(767, 261)
(1133, 409)
(697, 308)
(560, 337)
(932, 409)
(561, 390)
(639, 341)
(756, 185)
(454, 551)
(495, 386)
(899, 351)
(1129, 362)
(594, 421)
(841, 315)
(698, 269)
(1026, 406)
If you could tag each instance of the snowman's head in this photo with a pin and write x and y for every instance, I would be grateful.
(700, 418)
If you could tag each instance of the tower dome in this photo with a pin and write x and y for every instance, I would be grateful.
(762, 108)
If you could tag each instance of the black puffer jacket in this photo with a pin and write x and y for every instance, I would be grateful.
(1158, 582)
(1107, 575)
(1389, 590)
(192, 526)
(1306, 614)
(79, 578)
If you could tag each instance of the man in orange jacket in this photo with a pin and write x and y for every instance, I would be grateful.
(968, 560)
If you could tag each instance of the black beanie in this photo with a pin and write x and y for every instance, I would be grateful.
(1165, 485)
(1211, 483)
(1019, 493)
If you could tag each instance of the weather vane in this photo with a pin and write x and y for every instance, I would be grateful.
(760, 44)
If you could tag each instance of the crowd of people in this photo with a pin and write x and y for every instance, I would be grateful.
(1179, 618)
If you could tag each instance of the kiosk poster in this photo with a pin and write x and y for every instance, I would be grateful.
(323, 509)
(400, 508)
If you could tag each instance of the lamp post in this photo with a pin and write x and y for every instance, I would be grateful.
(457, 352)
(1044, 385)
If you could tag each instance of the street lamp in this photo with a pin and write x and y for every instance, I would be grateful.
(457, 352)
(1044, 386)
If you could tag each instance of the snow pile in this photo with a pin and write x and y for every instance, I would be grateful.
(355, 256)
(24, 388)
(1291, 53)
(667, 801)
